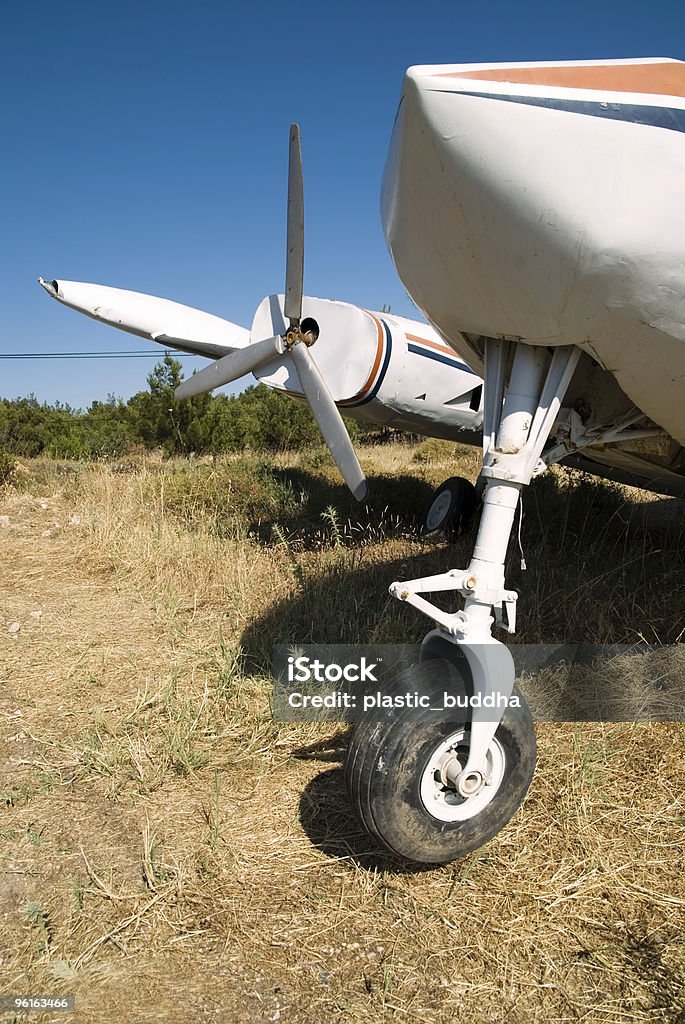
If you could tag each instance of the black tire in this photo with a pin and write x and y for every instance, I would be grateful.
(389, 755)
(451, 508)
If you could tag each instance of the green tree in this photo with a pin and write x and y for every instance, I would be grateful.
(159, 420)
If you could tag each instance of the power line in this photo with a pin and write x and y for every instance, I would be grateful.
(93, 355)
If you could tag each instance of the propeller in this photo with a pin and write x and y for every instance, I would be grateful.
(294, 346)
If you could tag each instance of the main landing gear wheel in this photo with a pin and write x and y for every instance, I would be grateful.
(451, 508)
(399, 770)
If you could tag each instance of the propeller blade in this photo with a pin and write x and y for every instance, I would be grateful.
(329, 420)
(230, 367)
(294, 266)
(147, 316)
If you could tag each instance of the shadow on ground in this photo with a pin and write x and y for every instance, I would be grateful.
(393, 504)
(329, 821)
(601, 569)
(346, 600)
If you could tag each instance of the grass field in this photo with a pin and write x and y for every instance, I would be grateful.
(169, 853)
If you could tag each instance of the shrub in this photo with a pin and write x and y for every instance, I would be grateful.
(231, 496)
(7, 467)
(434, 450)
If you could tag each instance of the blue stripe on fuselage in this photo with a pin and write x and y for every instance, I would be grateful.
(671, 118)
(439, 358)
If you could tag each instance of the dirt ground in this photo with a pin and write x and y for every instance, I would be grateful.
(168, 853)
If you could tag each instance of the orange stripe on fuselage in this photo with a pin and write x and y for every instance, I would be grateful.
(433, 344)
(376, 363)
(664, 79)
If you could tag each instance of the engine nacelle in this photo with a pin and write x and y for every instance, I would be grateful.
(379, 367)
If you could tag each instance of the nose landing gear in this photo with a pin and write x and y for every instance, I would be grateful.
(433, 790)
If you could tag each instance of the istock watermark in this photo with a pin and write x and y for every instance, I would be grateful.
(303, 669)
(560, 682)
(408, 699)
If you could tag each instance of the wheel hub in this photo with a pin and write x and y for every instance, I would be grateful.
(438, 510)
(447, 792)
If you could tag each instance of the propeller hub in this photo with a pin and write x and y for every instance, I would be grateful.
(305, 333)
(292, 336)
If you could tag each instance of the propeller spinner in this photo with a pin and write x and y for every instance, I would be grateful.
(294, 345)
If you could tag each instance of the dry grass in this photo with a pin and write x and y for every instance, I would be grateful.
(171, 854)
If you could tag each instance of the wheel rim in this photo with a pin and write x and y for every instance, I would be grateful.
(437, 513)
(443, 801)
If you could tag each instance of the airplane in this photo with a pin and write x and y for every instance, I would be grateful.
(533, 214)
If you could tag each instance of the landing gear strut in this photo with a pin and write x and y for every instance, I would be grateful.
(485, 763)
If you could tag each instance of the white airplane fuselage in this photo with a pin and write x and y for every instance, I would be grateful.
(544, 203)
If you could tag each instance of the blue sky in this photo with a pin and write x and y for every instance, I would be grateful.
(145, 146)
